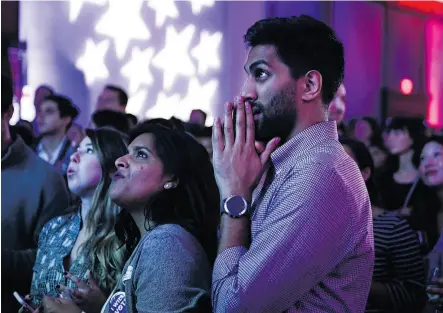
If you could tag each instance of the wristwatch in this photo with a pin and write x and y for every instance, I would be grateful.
(235, 206)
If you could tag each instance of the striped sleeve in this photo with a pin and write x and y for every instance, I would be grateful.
(406, 289)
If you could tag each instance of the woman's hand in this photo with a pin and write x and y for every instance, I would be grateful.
(88, 297)
(23, 309)
(58, 305)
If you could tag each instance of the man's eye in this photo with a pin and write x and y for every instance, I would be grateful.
(260, 74)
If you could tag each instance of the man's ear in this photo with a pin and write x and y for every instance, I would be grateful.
(313, 85)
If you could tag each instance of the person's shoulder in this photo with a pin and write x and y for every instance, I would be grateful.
(171, 234)
(43, 171)
(391, 221)
(54, 224)
(166, 244)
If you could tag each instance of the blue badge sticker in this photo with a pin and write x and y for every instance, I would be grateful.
(117, 304)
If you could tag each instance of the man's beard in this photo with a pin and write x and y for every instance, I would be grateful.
(278, 118)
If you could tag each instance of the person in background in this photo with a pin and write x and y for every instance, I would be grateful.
(366, 130)
(110, 118)
(26, 131)
(32, 193)
(300, 241)
(82, 245)
(172, 123)
(26, 124)
(399, 273)
(167, 191)
(400, 185)
(75, 134)
(40, 94)
(198, 117)
(337, 110)
(132, 120)
(379, 154)
(202, 135)
(55, 116)
(112, 98)
(431, 172)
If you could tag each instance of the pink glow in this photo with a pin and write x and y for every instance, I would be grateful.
(434, 72)
(406, 86)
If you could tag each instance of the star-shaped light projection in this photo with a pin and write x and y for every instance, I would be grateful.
(75, 7)
(123, 23)
(198, 97)
(174, 59)
(207, 51)
(197, 5)
(92, 62)
(165, 106)
(163, 9)
(136, 102)
(137, 69)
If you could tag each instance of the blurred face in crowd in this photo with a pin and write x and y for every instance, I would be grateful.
(139, 174)
(363, 130)
(366, 173)
(75, 133)
(398, 141)
(272, 93)
(48, 119)
(109, 100)
(431, 164)
(197, 117)
(84, 171)
(337, 107)
(378, 155)
(40, 94)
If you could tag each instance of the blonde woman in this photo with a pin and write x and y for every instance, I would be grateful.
(79, 254)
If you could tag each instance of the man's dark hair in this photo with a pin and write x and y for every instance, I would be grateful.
(48, 88)
(7, 94)
(65, 107)
(122, 95)
(114, 119)
(132, 119)
(303, 44)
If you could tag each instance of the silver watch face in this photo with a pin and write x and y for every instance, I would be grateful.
(236, 206)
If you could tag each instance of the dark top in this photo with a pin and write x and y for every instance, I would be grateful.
(398, 265)
(32, 193)
(423, 206)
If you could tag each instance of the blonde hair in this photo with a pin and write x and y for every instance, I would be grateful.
(104, 250)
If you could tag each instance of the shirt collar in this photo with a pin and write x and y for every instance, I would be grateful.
(41, 151)
(306, 139)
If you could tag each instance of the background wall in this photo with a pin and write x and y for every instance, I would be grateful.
(383, 45)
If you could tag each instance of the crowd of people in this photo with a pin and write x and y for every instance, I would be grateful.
(280, 206)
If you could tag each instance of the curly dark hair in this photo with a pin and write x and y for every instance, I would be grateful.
(193, 204)
(303, 44)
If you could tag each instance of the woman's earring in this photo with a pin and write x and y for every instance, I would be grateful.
(169, 185)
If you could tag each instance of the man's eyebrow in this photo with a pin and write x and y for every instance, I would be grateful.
(254, 65)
